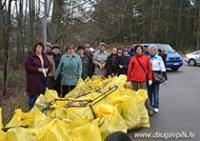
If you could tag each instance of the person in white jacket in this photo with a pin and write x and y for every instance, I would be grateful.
(159, 76)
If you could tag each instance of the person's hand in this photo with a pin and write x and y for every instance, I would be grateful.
(150, 82)
(128, 84)
(46, 70)
(103, 65)
(40, 70)
(120, 66)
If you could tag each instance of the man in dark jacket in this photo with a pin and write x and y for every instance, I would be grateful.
(89, 54)
(112, 65)
(85, 62)
(124, 61)
(56, 57)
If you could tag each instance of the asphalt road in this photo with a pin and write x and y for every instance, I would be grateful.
(179, 108)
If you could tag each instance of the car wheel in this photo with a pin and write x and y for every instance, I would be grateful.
(192, 62)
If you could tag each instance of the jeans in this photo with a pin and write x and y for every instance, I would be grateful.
(31, 101)
(153, 93)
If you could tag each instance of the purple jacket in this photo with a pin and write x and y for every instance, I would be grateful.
(33, 76)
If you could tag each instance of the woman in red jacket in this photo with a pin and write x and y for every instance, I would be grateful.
(140, 73)
(139, 70)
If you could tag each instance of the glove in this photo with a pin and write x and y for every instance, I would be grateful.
(150, 82)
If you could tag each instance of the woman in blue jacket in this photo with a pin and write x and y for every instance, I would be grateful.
(69, 69)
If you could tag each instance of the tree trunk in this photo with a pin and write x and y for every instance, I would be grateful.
(6, 33)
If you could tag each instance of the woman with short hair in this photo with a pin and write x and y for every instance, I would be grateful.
(159, 72)
(37, 65)
(69, 69)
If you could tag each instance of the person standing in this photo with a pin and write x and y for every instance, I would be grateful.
(69, 69)
(112, 66)
(163, 54)
(120, 52)
(89, 54)
(99, 60)
(139, 70)
(51, 74)
(158, 68)
(85, 62)
(37, 66)
(140, 73)
(56, 57)
(123, 62)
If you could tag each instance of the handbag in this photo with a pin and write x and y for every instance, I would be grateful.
(146, 73)
(158, 77)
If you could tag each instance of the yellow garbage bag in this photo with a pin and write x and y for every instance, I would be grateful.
(57, 132)
(79, 113)
(86, 132)
(133, 110)
(2, 136)
(130, 109)
(143, 111)
(16, 119)
(50, 95)
(19, 134)
(1, 122)
(112, 120)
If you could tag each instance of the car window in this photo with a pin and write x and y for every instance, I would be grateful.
(168, 48)
(196, 52)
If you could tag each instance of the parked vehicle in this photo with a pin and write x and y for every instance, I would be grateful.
(173, 61)
(193, 58)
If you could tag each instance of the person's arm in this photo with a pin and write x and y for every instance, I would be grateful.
(150, 71)
(163, 69)
(130, 67)
(80, 67)
(95, 61)
(59, 68)
(49, 66)
(29, 66)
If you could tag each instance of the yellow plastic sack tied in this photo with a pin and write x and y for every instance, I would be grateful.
(29, 119)
(143, 111)
(16, 120)
(112, 120)
(2, 136)
(133, 110)
(19, 134)
(86, 132)
(55, 131)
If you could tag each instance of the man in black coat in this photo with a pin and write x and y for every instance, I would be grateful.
(112, 65)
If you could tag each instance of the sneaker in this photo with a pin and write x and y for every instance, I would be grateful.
(156, 110)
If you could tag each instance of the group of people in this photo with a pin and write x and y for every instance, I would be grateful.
(145, 69)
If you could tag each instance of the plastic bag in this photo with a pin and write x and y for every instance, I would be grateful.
(142, 109)
(2, 136)
(133, 110)
(86, 132)
(19, 134)
(55, 131)
(112, 120)
(16, 119)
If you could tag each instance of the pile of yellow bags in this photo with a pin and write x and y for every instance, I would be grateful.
(96, 108)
